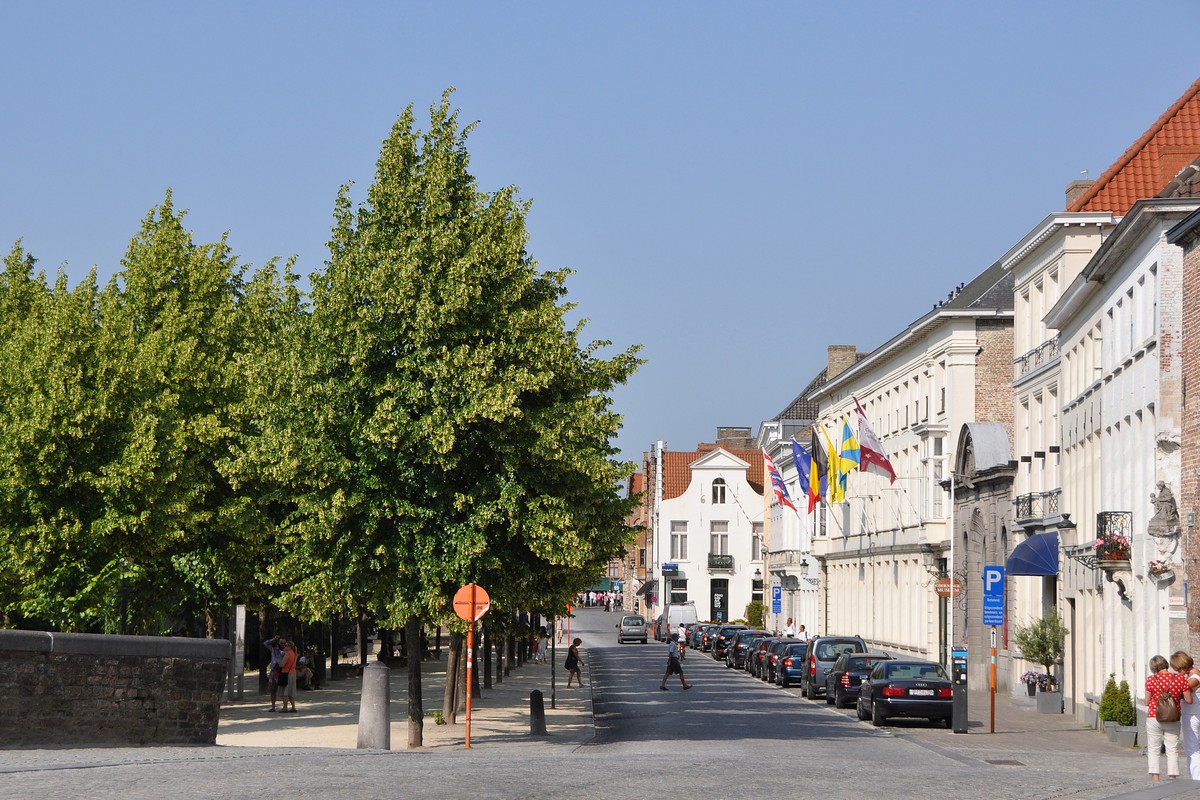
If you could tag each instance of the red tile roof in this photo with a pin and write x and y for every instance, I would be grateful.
(1150, 163)
(677, 476)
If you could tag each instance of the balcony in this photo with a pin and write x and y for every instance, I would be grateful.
(1037, 505)
(1042, 354)
(717, 561)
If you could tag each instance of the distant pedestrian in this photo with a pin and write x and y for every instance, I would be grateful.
(273, 644)
(287, 676)
(802, 634)
(544, 650)
(574, 663)
(1182, 663)
(789, 630)
(1162, 681)
(674, 664)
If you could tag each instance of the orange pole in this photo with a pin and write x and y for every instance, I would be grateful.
(470, 655)
(993, 670)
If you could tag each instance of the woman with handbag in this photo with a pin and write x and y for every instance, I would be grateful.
(1166, 691)
(1189, 719)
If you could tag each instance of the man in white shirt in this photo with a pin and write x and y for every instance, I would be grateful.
(802, 634)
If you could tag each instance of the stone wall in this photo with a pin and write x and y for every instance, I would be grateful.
(88, 690)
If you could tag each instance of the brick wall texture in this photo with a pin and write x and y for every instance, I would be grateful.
(108, 698)
(994, 373)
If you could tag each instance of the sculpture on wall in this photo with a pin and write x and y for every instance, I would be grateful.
(1164, 525)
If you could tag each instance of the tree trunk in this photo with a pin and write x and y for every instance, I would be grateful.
(363, 644)
(499, 644)
(334, 649)
(416, 709)
(460, 684)
(449, 696)
(486, 648)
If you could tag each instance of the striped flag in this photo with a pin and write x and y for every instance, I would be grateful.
(781, 492)
(872, 456)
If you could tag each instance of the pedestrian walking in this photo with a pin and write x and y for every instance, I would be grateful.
(273, 645)
(574, 663)
(674, 664)
(544, 652)
(1189, 720)
(1160, 682)
(287, 676)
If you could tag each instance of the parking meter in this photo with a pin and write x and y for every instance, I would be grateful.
(958, 683)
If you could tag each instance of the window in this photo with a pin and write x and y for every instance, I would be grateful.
(679, 540)
(641, 557)
(718, 492)
(679, 590)
(719, 543)
(756, 537)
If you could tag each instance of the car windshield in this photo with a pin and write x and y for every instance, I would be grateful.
(829, 651)
(797, 649)
(634, 621)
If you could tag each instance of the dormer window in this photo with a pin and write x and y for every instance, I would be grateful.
(718, 492)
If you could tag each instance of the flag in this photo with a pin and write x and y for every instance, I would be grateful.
(781, 492)
(803, 462)
(872, 456)
(849, 455)
(818, 482)
(833, 469)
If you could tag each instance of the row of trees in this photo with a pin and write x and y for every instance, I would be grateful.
(191, 435)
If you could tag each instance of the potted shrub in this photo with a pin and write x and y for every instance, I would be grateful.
(1034, 680)
(1108, 704)
(1042, 642)
(1125, 732)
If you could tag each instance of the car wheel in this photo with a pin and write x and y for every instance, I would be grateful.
(783, 683)
(860, 712)
(810, 690)
(877, 717)
(829, 696)
(948, 722)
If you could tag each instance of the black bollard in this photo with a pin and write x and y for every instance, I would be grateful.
(537, 714)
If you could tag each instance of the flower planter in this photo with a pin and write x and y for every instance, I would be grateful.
(1114, 564)
(1164, 577)
(1031, 688)
(1125, 735)
(1049, 702)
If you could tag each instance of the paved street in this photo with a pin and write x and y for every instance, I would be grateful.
(730, 736)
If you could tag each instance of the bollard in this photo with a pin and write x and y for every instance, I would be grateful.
(374, 714)
(537, 714)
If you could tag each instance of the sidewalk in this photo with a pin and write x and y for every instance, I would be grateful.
(328, 717)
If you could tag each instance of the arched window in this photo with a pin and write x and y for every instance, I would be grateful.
(718, 492)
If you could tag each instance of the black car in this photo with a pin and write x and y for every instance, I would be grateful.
(761, 657)
(721, 639)
(846, 677)
(735, 653)
(792, 663)
(906, 688)
(769, 671)
(754, 654)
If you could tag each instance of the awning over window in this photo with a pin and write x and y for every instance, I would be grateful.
(1037, 555)
(648, 588)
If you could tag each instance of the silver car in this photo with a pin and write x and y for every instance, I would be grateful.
(631, 628)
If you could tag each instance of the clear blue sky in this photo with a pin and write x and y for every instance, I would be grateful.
(737, 185)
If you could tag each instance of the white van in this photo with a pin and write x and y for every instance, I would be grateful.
(677, 614)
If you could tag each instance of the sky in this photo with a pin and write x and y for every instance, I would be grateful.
(735, 185)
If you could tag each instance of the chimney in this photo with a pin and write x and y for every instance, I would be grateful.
(735, 439)
(1075, 190)
(841, 358)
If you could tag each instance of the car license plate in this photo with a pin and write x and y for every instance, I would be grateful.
(921, 692)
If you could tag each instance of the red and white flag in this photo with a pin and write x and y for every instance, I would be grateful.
(872, 456)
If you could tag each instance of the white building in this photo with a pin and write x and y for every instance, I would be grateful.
(1119, 325)
(707, 517)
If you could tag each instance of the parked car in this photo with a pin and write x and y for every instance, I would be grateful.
(822, 652)
(792, 662)
(631, 628)
(735, 653)
(696, 641)
(770, 667)
(846, 677)
(721, 640)
(758, 657)
(752, 646)
(708, 636)
(906, 688)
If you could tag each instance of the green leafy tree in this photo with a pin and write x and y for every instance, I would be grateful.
(1042, 641)
(754, 614)
(1108, 700)
(445, 423)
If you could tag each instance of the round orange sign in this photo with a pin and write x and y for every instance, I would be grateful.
(471, 602)
(942, 587)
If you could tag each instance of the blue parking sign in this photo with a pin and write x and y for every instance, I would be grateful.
(993, 595)
(776, 599)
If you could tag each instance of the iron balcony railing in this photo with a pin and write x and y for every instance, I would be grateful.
(718, 561)
(1038, 505)
(1042, 354)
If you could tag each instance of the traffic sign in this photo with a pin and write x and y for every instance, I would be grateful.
(776, 599)
(993, 595)
(471, 602)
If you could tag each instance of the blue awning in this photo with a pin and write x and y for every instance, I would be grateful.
(1037, 555)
